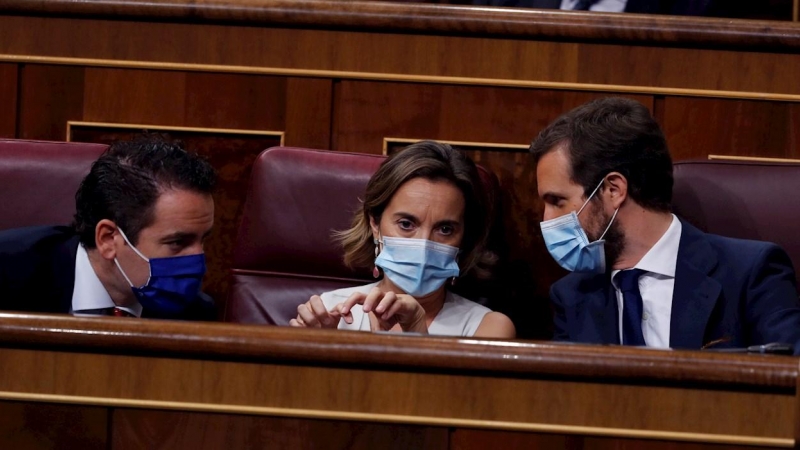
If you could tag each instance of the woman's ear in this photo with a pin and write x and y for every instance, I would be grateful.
(616, 189)
(104, 234)
(376, 230)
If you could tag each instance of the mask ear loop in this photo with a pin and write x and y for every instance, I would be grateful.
(590, 196)
(376, 272)
(149, 269)
(609, 224)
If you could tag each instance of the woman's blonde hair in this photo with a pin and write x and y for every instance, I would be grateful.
(432, 161)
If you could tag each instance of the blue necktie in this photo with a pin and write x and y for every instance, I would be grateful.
(583, 5)
(632, 306)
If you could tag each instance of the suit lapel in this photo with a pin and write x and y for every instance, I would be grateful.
(597, 316)
(695, 293)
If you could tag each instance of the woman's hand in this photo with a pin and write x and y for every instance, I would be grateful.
(386, 309)
(313, 314)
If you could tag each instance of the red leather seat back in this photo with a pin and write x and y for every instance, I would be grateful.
(747, 200)
(38, 180)
(284, 250)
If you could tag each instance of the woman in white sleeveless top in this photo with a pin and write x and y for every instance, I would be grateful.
(424, 222)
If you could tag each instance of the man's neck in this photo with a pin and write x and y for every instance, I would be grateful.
(108, 274)
(643, 229)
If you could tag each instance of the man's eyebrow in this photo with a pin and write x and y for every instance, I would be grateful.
(552, 195)
(178, 235)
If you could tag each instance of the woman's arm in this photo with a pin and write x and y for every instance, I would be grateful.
(496, 325)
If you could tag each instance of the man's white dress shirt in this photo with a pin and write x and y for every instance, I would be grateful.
(89, 296)
(601, 5)
(656, 287)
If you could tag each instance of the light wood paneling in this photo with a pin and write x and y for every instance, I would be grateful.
(8, 100)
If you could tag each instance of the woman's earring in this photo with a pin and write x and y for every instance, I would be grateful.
(453, 281)
(375, 271)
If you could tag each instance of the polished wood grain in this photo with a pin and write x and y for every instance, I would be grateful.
(309, 112)
(378, 352)
(635, 67)
(731, 127)
(137, 429)
(402, 380)
(438, 19)
(48, 427)
(50, 96)
(8, 100)
(482, 439)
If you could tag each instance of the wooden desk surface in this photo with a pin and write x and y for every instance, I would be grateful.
(463, 384)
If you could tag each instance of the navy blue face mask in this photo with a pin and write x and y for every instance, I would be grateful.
(173, 284)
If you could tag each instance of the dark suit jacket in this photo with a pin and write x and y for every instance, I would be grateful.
(740, 291)
(37, 273)
(676, 7)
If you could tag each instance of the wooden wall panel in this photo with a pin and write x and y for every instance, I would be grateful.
(41, 426)
(8, 100)
(368, 112)
(309, 112)
(188, 99)
(697, 127)
(49, 97)
(465, 439)
(138, 429)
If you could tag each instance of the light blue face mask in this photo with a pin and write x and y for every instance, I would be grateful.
(417, 266)
(570, 247)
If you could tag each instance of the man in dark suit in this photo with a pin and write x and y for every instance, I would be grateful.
(136, 245)
(641, 276)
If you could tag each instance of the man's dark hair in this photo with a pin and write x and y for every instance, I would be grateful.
(125, 182)
(613, 135)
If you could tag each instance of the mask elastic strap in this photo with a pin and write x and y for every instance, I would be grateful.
(609, 224)
(123, 272)
(149, 268)
(122, 233)
(592, 195)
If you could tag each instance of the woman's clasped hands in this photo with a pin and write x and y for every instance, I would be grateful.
(384, 309)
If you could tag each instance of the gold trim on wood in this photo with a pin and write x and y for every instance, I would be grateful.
(752, 159)
(555, 85)
(387, 140)
(402, 419)
(130, 126)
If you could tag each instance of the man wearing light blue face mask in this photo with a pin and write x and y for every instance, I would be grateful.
(423, 224)
(642, 276)
(135, 248)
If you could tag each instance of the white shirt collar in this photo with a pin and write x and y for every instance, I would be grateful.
(89, 294)
(662, 258)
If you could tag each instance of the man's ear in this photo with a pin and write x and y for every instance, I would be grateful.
(104, 235)
(376, 230)
(615, 189)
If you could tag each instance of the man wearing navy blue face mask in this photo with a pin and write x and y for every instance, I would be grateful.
(642, 276)
(135, 248)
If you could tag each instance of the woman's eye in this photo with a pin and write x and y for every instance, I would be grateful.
(446, 230)
(405, 224)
